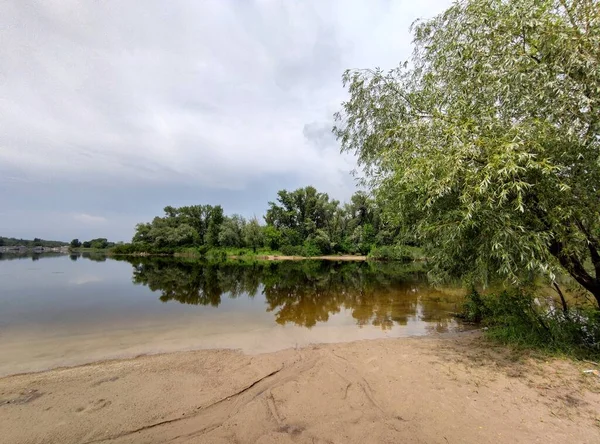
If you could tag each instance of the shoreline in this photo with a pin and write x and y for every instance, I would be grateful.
(28, 355)
(132, 357)
(452, 388)
(260, 257)
(302, 258)
(249, 257)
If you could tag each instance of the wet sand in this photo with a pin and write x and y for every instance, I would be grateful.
(25, 350)
(417, 390)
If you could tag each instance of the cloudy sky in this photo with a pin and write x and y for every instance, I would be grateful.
(111, 109)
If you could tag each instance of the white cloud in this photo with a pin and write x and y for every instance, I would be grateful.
(89, 218)
(213, 93)
(111, 102)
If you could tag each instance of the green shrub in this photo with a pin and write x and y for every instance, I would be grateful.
(310, 248)
(144, 248)
(474, 308)
(390, 253)
(216, 255)
(518, 318)
(292, 250)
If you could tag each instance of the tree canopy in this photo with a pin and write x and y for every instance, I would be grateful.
(484, 146)
(99, 243)
(303, 222)
(37, 242)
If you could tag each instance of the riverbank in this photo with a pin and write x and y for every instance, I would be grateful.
(260, 256)
(247, 257)
(454, 389)
(270, 257)
(400, 254)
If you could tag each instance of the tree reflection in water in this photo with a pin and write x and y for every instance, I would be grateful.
(304, 292)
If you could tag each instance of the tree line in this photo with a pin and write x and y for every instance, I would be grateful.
(30, 243)
(302, 222)
(100, 243)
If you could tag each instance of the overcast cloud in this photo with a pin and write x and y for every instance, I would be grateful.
(111, 110)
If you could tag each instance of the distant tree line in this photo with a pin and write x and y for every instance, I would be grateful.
(303, 222)
(99, 243)
(36, 242)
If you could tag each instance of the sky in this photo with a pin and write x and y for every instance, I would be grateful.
(111, 110)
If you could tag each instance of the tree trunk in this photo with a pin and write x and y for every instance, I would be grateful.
(576, 269)
(563, 301)
(596, 294)
(589, 283)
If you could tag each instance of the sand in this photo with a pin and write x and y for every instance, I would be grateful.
(456, 389)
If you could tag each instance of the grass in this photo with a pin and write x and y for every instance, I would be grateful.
(402, 253)
(227, 252)
(516, 317)
(395, 253)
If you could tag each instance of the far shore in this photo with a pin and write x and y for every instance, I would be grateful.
(301, 258)
(438, 390)
(260, 257)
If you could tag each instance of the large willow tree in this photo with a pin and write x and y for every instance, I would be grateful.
(485, 145)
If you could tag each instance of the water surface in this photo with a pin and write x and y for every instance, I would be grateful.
(66, 310)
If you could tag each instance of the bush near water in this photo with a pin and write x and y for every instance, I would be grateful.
(516, 317)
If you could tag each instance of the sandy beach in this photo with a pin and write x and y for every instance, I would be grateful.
(443, 390)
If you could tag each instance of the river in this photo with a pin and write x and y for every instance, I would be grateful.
(61, 310)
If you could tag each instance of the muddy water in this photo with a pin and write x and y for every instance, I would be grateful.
(67, 310)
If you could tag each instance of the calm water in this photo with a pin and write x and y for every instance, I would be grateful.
(65, 310)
